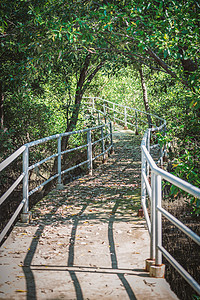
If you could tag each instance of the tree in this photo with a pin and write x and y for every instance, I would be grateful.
(37, 41)
(145, 98)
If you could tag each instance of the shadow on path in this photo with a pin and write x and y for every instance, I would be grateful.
(29, 276)
(115, 188)
(30, 280)
(113, 254)
(79, 294)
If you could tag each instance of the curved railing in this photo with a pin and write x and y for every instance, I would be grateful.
(150, 172)
(105, 134)
(148, 124)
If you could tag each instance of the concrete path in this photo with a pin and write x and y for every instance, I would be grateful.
(85, 241)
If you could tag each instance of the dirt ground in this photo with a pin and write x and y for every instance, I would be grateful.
(85, 241)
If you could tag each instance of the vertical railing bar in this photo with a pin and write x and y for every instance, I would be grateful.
(114, 113)
(25, 216)
(93, 104)
(152, 241)
(158, 219)
(148, 148)
(136, 123)
(111, 138)
(89, 151)
(143, 186)
(25, 179)
(59, 160)
(125, 118)
(103, 144)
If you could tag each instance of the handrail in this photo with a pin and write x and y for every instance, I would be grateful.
(12, 157)
(106, 134)
(154, 190)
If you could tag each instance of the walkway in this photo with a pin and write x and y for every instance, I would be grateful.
(86, 241)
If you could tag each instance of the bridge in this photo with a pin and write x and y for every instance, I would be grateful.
(88, 239)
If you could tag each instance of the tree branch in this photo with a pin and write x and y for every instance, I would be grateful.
(161, 62)
(91, 76)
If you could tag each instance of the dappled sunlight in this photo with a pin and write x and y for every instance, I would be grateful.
(86, 237)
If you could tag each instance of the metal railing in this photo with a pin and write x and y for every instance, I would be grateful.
(105, 134)
(132, 117)
(154, 223)
(124, 115)
(151, 172)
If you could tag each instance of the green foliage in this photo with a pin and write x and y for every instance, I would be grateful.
(186, 167)
(195, 297)
(163, 140)
(6, 143)
(31, 117)
(44, 48)
(169, 100)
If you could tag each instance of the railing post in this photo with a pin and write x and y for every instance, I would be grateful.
(143, 188)
(158, 218)
(125, 118)
(148, 148)
(114, 113)
(152, 242)
(59, 185)
(164, 148)
(25, 216)
(157, 270)
(149, 261)
(104, 111)
(89, 151)
(111, 139)
(136, 123)
(103, 145)
(93, 104)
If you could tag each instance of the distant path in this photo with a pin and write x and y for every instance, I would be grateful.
(86, 241)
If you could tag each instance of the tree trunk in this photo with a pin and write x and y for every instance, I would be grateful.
(78, 97)
(82, 84)
(145, 98)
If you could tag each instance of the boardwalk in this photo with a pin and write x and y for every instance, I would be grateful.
(86, 241)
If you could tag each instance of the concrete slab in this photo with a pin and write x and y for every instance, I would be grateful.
(82, 260)
(85, 241)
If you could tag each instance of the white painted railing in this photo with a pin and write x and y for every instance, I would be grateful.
(105, 133)
(154, 223)
(123, 114)
(131, 117)
(151, 171)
